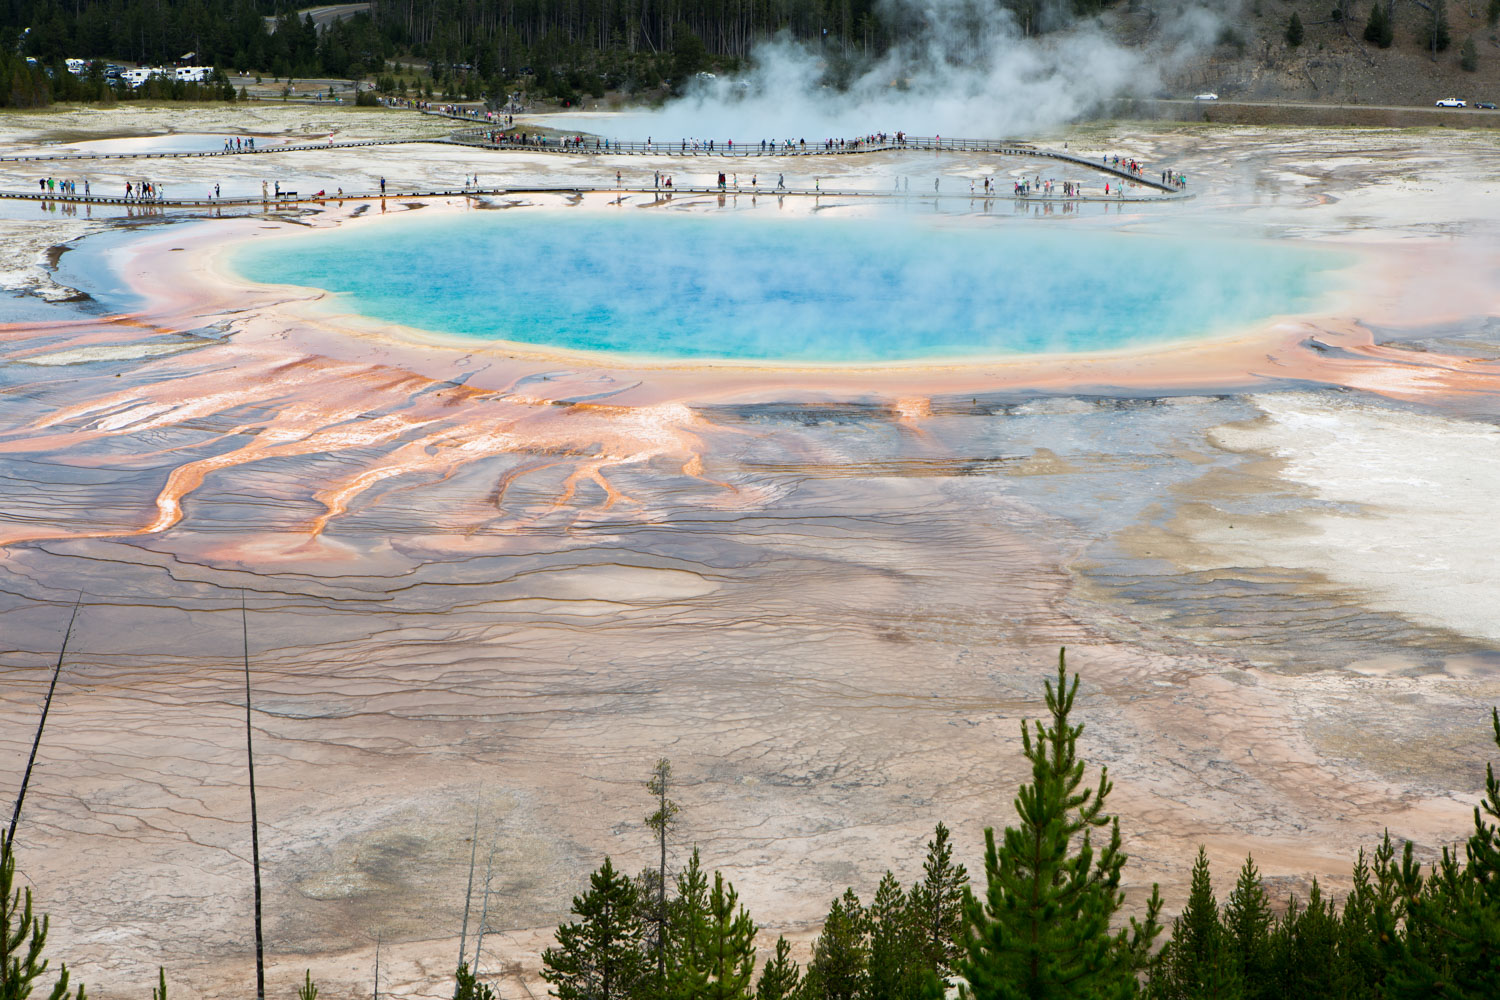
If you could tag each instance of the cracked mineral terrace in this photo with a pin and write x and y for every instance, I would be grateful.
(827, 595)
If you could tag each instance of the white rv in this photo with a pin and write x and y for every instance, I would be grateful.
(135, 77)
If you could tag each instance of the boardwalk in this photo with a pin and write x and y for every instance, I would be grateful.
(663, 193)
(486, 138)
(265, 151)
(730, 149)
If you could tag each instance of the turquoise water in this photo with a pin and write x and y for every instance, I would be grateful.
(747, 287)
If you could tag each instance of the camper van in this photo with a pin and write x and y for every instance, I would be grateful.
(194, 74)
(135, 77)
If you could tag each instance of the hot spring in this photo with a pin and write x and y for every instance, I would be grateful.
(744, 287)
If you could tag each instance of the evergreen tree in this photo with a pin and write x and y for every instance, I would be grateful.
(1247, 926)
(308, 990)
(898, 967)
(1492, 13)
(22, 938)
(1370, 914)
(731, 944)
(600, 956)
(1468, 56)
(937, 905)
(466, 986)
(1435, 32)
(1294, 30)
(711, 948)
(660, 823)
(1451, 947)
(685, 962)
(840, 954)
(1378, 29)
(1198, 961)
(780, 977)
(1306, 957)
(1043, 928)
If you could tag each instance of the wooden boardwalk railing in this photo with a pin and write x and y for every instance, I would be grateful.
(591, 146)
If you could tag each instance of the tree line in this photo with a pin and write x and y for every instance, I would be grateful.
(1046, 920)
(557, 48)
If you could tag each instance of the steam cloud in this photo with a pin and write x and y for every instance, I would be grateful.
(964, 69)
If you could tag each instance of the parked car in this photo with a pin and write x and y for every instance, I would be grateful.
(1205, 97)
(1451, 102)
(1487, 105)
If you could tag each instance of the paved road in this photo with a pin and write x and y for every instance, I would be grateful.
(1328, 107)
(324, 16)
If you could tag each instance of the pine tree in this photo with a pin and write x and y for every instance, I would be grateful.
(1294, 31)
(600, 957)
(1388, 32)
(1377, 26)
(1452, 941)
(937, 905)
(1043, 928)
(731, 944)
(1468, 56)
(1435, 32)
(780, 978)
(308, 990)
(898, 967)
(1306, 957)
(1370, 919)
(1247, 926)
(466, 986)
(660, 823)
(686, 966)
(711, 948)
(1198, 960)
(23, 937)
(840, 954)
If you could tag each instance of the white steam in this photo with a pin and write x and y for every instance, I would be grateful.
(965, 69)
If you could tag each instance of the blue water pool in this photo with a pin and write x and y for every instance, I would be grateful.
(750, 287)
